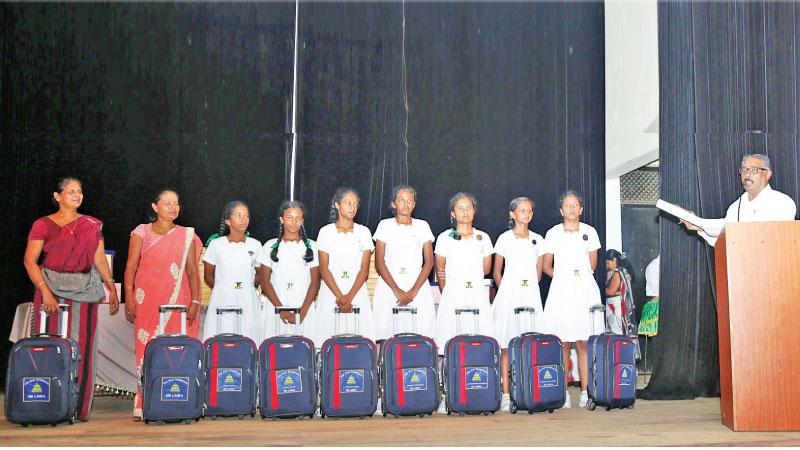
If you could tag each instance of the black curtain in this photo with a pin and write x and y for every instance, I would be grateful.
(132, 98)
(728, 85)
(498, 99)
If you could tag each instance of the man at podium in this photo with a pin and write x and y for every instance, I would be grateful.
(758, 203)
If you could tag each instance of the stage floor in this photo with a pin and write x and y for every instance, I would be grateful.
(650, 423)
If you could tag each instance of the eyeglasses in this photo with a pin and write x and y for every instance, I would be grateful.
(750, 170)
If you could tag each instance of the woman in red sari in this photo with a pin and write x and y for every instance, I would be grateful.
(72, 244)
(162, 268)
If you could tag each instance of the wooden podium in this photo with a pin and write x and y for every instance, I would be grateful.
(758, 311)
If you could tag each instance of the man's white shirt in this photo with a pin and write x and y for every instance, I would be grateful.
(768, 206)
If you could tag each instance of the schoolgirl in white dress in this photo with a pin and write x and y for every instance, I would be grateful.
(463, 258)
(229, 270)
(289, 274)
(517, 271)
(344, 250)
(403, 259)
(572, 246)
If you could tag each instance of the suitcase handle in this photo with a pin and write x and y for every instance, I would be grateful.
(593, 310)
(230, 309)
(63, 319)
(396, 314)
(475, 316)
(531, 314)
(296, 311)
(163, 310)
(338, 312)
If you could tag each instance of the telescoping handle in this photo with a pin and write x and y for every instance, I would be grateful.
(593, 311)
(63, 319)
(278, 326)
(528, 312)
(162, 317)
(397, 310)
(475, 315)
(338, 311)
(222, 310)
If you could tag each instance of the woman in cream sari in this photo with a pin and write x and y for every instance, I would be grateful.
(162, 268)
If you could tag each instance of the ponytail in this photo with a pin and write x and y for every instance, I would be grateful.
(274, 253)
(309, 256)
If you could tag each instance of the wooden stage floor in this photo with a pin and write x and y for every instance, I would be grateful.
(650, 423)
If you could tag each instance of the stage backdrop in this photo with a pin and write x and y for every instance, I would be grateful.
(501, 100)
(729, 86)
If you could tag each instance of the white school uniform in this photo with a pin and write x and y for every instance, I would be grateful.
(290, 278)
(463, 285)
(234, 274)
(403, 257)
(345, 251)
(519, 286)
(573, 289)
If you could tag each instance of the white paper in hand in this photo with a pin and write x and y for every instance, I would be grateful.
(679, 212)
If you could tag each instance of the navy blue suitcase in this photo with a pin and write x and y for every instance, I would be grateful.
(348, 375)
(612, 371)
(173, 379)
(287, 368)
(408, 372)
(536, 374)
(231, 371)
(41, 378)
(472, 372)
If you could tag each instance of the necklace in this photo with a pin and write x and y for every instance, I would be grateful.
(71, 230)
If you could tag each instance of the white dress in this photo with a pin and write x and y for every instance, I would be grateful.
(234, 274)
(290, 278)
(574, 289)
(345, 251)
(404, 259)
(463, 286)
(519, 286)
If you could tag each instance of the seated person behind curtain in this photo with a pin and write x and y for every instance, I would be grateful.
(759, 203)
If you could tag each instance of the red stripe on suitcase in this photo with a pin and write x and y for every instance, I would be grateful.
(401, 395)
(462, 382)
(616, 363)
(336, 393)
(534, 363)
(212, 396)
(273, 389)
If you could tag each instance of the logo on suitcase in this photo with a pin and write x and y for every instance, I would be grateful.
(477, 377)
(36, 389)
(174, 389)
(415, 379)
(626, 375)
(229, 380)
(548, 376)
(351, 381)
(289, 381)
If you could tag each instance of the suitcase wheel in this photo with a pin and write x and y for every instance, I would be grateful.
(146, 421)
(188, 421)
(25, 425)
(54, 424)
(530, 412)
(630, 407)
(396, 416)
(486, 413)
(253, 414)
(549, 411)
(590, 404)
(213, 417)
(384, 414)
(241, 416)
(421, 415)
(461, 414)
(513, 408)
(608, 408)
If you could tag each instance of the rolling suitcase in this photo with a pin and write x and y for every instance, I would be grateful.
(41, 381)
(408, 373)
(287, 373)
(348, 375)
(536, 375)
(231, 371)
(472, 371)
(173, 379)
(612, 370)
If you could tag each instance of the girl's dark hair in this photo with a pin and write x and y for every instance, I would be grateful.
(566, 194)
(224, 229)
(453, 200)
(396, 190)
(622, 261)
(288, 204)
(513, 207)
(62, 183)
(152, 214)
(337, 197)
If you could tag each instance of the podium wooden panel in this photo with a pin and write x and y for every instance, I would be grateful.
(758, 311)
